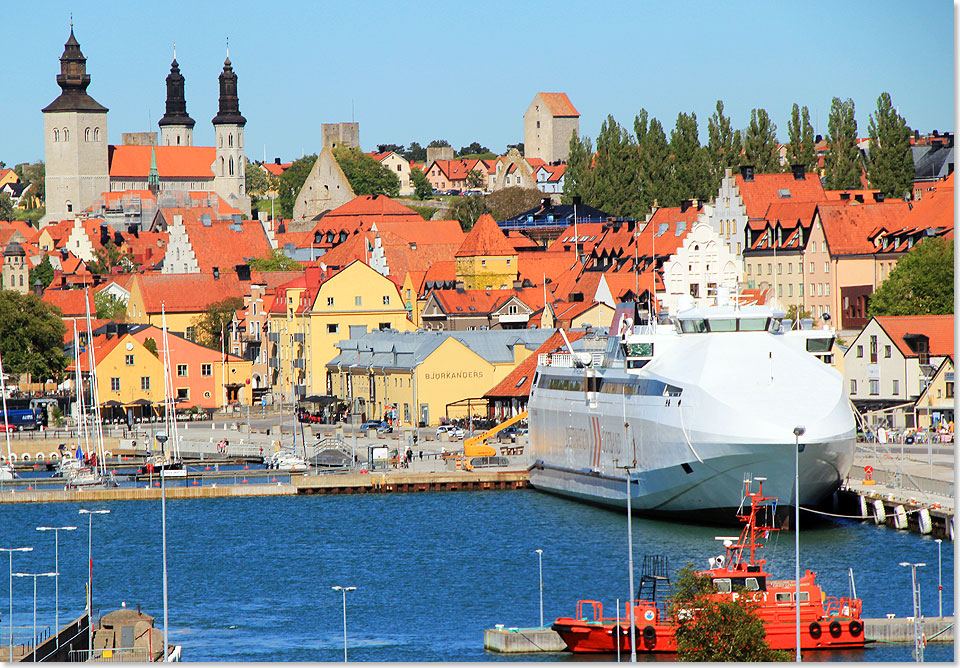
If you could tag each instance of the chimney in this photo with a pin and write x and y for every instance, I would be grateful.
(844, 197)
(916, 135)
(878, 196)
(276, 161)
(243, 272)
(546, 204)
(577, 200)
(859, 197)
(936, 133)
(517, 284)
(38, 288)
(684, 205)
(459, 285)
(798, 172)
(818, 139)
(746, 171)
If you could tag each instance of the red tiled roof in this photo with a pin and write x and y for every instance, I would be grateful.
(938, 328)
(444, 271)
(276, 170)
(102, 345)
(219, 244)
(763, 190)
(71, 302)
(486, 238)
(517, 383)
(559, 104)
(480, 302)
(372, 205)
(848, 227)
(184, 162)
(186, 293)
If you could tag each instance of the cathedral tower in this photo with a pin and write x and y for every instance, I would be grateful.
(75, 140)
(228, 125)
(176, 126)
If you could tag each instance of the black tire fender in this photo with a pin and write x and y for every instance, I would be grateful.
(649, 633)
(856, 628)
(815, 630)
(835, 629)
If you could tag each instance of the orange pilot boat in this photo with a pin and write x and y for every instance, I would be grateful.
(825, 622)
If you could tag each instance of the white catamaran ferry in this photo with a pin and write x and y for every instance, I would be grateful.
(689, 409)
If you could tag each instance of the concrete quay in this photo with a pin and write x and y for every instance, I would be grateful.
(143, 493)
(377, 482)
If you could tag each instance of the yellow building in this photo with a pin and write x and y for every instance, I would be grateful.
(935, 406)
(437, 372)
(184, 298)
(486, 259)
(310, 315)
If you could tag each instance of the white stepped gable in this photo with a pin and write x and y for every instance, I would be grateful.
(180, 257)
(377, 259)
(79, 243)
(705, 261)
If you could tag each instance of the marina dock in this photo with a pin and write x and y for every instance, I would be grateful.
(520, 640)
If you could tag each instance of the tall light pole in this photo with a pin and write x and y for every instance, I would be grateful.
(10, 551)
(917, 613)
(798, 431)
(939, 576)
(633, 637)
(90, 514)
(344, 590)
(34, 576)
(540, 564)
(56, 532)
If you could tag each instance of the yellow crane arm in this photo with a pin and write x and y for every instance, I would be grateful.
(475, 445)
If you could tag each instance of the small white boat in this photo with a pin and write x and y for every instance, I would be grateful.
(287, 461)
(7, 472)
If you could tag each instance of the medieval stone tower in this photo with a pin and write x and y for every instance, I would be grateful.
(228, 126)
(176, 126)
(15, 273)
(75, 140)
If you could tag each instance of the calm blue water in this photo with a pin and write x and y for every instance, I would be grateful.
(249, 579)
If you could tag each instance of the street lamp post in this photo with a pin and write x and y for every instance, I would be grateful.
(344, 590)
(10, 551)
(34, 576)
(540, 565)
(162, 437)
(939, 577)
(90, 514)
(56, 532)
(917, 612)
(798, 431)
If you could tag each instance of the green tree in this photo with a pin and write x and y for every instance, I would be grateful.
(467, 210)
(31, 336)
(150, 344)
(421, 186)
(760, 143)
(388, 148)
(691, 169)
(920, 284)
(109, 256)
(578, 177)
(616, 172)
(890, 160)
(109, 307)
(476, 179)
(258, 181)
(794, 312)
(6, 207)
(275, 261)
(518, 146)
(291, 181)
(365, 174)
(842, 161)
(717, 629)
(215, 321)
(415, 153)
(473, 149)
(43, 271)
(723, 146)
(509, 202)
(656, 170)
(438, 143)
(801, 150)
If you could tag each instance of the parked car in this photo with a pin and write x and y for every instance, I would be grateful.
(457, 432)
(385, 429)
(436, 192)
(444, 428)
(4, 427)
(508, 435)
(452, 191)
(370, 424)
(472, 191)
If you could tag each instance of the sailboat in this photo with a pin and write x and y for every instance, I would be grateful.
(169, 462)
(7, 472)
(287, 459)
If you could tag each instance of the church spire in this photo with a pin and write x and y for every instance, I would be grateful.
(229, 112)
(153, 178)
(73, 80)
(176, 113)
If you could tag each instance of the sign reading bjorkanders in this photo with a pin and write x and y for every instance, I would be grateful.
(452, 375)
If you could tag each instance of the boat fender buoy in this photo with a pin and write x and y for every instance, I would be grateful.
(624, 631)
(649, 633)
(835, 629)
(856, 628)
(815, 630)
(648, 615)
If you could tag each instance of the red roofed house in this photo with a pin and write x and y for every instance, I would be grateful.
(548, 124)
(890, 362)
(71, 302)
(399, 167)
(201, 242)
(487, 260)
(184, 297)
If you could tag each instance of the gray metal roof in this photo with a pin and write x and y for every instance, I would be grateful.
(404, 350)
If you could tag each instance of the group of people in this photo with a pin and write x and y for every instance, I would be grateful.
(222, 446)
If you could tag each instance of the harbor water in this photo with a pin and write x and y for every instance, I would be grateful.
(250, 578)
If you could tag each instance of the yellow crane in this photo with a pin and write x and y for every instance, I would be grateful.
(476, 446)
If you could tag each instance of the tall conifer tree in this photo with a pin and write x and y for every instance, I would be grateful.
(842, 161)
(760, 143)
(656, 171)
(724, 145)
(617, 171)
(690, 165)
(890, 160)
(801, 150)
(578, 177)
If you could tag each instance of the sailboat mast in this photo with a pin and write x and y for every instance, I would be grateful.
(81, 404)
(3, 392)
(169, 410)
(95, 393)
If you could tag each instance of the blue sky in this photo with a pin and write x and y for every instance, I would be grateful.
(425, 70)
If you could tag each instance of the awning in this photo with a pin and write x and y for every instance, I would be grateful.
(113, 403)
(318, 399)
(140, 402)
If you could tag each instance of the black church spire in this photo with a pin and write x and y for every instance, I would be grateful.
(176, 99)
(73, 81)
(229, 113)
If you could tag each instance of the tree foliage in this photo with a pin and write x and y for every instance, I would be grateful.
(150, 344)
(920, 284)
(415, 153)
(760, 143)
(475, 148)
(109, 256)
(6, 207)
(476, 178)
(421, 185)
(691, 171)
(801, 150)
(438, 143)
(387, 148)
(890, 160)
(365, 174)
(717, 629)
(291, 181)
(616, 173)
(258, 181)
(215, 321)
(467, 210)
(509, 202)
(43, 271)
(842, 160)
(31, 336)
(275, 261)
(723, 146)
(578, 177)
(109, 307)
(656, 170)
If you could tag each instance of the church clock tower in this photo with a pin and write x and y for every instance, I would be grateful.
(228, 124)
(75, 140)
(176, 126)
